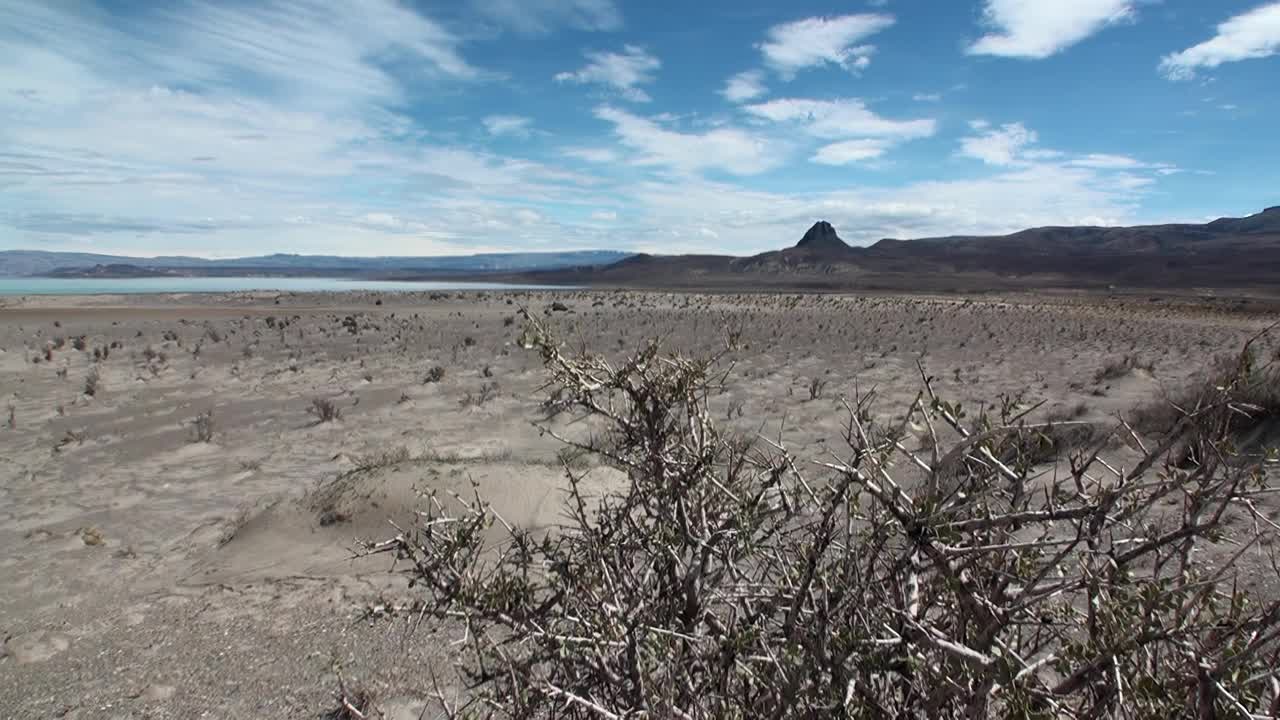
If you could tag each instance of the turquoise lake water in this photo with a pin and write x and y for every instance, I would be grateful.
(122, 286)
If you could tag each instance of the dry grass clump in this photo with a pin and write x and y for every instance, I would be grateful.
(1251, 386)
(202, 428)
(1121, 367)
(381, 459)
(731, 579)
(92, 382)
(325, 410)
(816, 387)
(487, 392)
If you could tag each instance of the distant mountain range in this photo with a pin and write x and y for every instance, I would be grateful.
(62, 264)
(1225, 253)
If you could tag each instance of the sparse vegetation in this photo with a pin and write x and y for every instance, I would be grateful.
(202, 427)
(324, 410)
(352, 701)
(92, 382)
(69, 437)
(1119, 368)
(434, 375)
(385, 458)
(729, 580)
(1250, 386)
(487, 392)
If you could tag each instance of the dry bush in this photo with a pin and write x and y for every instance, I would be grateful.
(1251, 386)
(202, 428)
(434, 375)
(381, 459)
(325, 410)
(731, 580)
(816, 388)
(487, 392)
(70, 437)
(1119, 368)
(92, 382)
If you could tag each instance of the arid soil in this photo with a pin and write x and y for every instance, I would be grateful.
(156, 565)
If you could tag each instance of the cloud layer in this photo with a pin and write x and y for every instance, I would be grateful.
(381, 127)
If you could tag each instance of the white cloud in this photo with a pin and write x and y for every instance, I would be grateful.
(849, 152)
(516, 125)
(140, 135)
(621, 71)
(1103, 161)
(1036, 29)
(927, 97)
(671, 213)
(1254, 34)
(1014, 145)
(98, 151)
(818, 41)
(837, 119)
(308, 53)
(744, 86)
(537, 17)
(723, 148)
(999, 146)
(593, 154)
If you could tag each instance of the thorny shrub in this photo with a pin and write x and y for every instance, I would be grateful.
(730, 579)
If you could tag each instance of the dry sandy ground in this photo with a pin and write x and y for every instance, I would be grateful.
(147, 574)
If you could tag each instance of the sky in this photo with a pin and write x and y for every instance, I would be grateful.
(388, 127)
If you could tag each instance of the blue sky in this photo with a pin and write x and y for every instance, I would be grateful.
(377, 127)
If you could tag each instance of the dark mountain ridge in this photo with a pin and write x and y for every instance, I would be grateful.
(1224, 253)
(1229, 252)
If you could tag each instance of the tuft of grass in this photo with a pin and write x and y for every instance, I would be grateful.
(1253, 388)
(385, 458)
(487, 392)
(1121, 367)
(434, 375)
(325, 410)
(352, 702)
(1067, 414)
(202, 428)
(92, 382)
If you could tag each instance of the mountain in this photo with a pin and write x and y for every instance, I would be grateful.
(822, 239)
(1225, 253)
(110, 272)
(38, 262)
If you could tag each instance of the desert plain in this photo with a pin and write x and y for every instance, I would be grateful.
(184, 479)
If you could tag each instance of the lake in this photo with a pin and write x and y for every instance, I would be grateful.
(123, 286)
